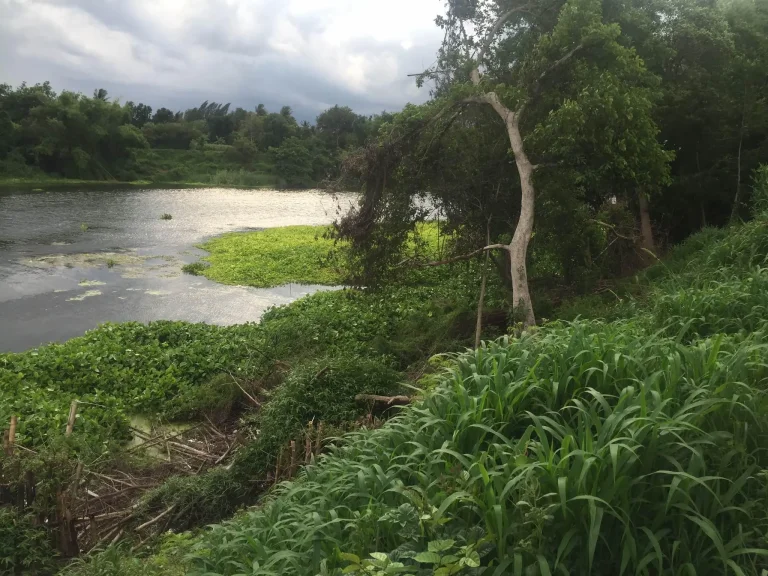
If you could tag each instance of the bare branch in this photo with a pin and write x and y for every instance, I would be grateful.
(462, 257)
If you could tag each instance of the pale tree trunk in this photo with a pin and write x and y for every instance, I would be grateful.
(518, 247)
(646, 231)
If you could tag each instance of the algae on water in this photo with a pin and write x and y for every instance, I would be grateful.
(84, 295)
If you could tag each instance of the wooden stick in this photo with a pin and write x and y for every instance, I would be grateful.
(251, 398)
(221, 458)
(293, 458)
(72, 416)
(277, 466)
(116, 538)
(156, 518)
(12, 434)
(386, 400)
(308, 443)
(319, 437)
(191, 450)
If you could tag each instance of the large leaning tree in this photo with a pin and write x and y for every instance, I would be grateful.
(569, 94)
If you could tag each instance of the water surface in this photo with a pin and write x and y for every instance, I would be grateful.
(71, 260)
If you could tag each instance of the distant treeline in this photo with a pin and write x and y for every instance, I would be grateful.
(72, 135)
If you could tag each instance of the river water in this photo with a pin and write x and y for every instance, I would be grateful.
(71, 260)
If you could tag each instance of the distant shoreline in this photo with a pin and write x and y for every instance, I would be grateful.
(44, 184)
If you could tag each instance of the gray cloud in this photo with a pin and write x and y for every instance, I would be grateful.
(308, 54)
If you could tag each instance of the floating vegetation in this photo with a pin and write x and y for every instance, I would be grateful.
(85, 260)
(91, 283)
(166, 216)
(84, 227)
(84, 295)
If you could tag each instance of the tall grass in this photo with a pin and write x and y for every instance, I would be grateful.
(585, 448)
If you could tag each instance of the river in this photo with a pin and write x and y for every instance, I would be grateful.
(71, 260)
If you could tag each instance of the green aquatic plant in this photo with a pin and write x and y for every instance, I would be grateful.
(195, 268)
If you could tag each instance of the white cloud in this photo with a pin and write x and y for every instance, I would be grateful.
(359, 48)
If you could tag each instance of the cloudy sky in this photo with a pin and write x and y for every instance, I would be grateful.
(309, 54)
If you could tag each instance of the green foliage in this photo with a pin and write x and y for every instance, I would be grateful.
(272, 257)
(213, 399)
(554, 444)
(168, 560)
(301, 163)
(91, 138)
(24, 546)
(116, 370)
(240, 177)
(166, 216)
(195, 268)
(594, 446)
(760, 191)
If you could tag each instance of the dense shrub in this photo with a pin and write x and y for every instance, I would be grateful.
(24, 546)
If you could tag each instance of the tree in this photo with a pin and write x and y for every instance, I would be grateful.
(176, 135)
(163, 115)
(341, 127)
(261, 110)
(140, 113)
(278, 127)
(548, 77)
(293, 162)
(286, 112)
(100, 94)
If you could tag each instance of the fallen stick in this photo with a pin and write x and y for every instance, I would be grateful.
(221, 458)
(251, 398)
(155, 519)
(110, 479)
(385, 400)
(191, 450)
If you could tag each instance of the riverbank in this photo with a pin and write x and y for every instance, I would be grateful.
(522, 452)
(303, 362)
(678, 367)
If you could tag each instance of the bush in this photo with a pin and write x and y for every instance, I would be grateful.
(24, 546)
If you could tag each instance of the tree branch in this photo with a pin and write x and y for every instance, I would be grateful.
(462, 257)
(554, 66)
(494, 30)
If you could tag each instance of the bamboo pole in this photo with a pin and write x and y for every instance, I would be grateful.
(72, 416)
(12, 434)
(293, 458)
